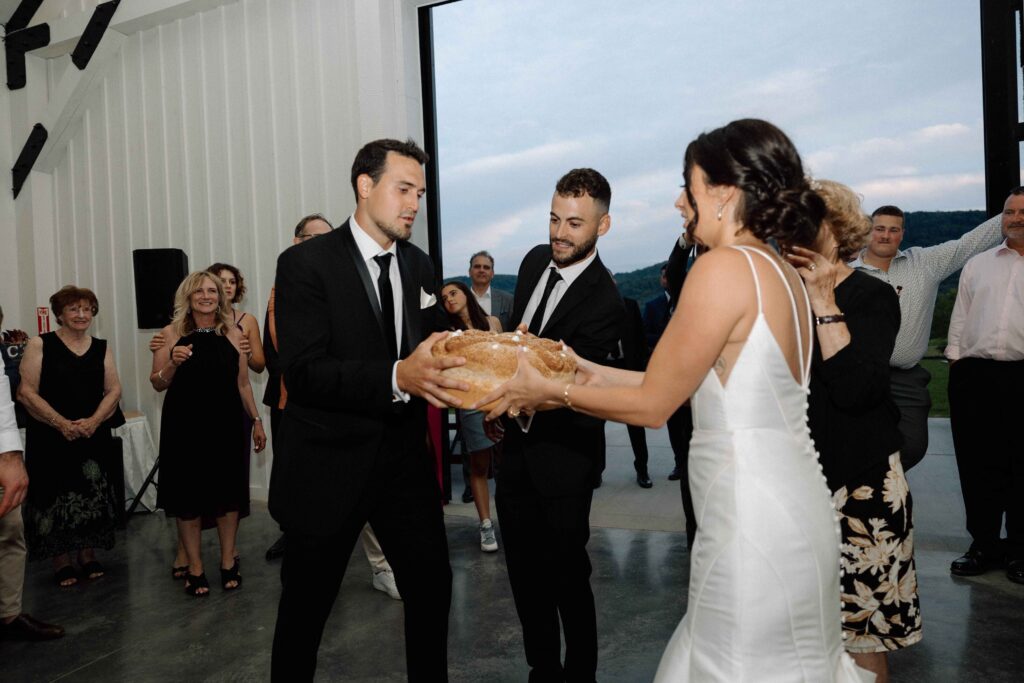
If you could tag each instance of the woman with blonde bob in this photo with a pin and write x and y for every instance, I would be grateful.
(206, 378)
(854, 424)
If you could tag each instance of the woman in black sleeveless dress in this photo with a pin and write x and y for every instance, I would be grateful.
(207, 384)
(70, 388)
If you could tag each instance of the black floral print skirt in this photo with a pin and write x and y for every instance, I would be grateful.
(881, 611)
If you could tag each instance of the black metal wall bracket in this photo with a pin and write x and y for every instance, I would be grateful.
(19, 20)
(27, 158)
(16, 44)
(93, 33)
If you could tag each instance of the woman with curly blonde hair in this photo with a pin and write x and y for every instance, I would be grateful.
(207, 382)
(854, 424)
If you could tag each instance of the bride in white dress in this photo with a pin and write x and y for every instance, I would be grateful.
(764, 598)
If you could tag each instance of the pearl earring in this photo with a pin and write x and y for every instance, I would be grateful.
(720, 208)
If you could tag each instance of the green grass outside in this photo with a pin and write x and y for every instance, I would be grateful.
(940, 377)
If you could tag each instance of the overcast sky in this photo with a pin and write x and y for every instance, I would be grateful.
(884, 96)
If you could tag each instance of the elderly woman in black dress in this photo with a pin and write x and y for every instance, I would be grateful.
(207, 382)
(70, 388)
(854, 424)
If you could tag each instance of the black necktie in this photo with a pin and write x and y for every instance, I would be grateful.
(538, 315)
(387, 302)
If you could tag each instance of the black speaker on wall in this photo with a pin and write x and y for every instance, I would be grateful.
(158, 272)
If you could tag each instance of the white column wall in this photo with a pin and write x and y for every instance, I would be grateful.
(212, 133)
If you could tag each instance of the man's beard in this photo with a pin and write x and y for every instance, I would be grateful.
(393, 233)
(578, 253)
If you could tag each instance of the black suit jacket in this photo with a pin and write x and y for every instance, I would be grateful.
(340, 416)
(635, 351)
(656, 315)
(563, 453)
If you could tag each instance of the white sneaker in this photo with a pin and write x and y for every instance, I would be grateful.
(384, 581)
(488, 543)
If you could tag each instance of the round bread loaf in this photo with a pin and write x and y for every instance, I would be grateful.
(491, 360)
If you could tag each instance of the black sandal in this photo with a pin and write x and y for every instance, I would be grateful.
(194, 583)
(63, 574)
(93, 567)
(179, 572)
(229, 575)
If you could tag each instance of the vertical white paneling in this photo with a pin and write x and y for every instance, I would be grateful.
(215, 133)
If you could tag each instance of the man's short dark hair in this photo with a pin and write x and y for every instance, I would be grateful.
(1019, 190)
(481, 253)
(586, 181)
(889, 210)
(301, 225)
(372, 158)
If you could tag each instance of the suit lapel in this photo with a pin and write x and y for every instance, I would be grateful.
(577, 292)
(364, 274)
(411, 333)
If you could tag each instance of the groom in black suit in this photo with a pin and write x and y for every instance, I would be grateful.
(352, 308)
(547, 475)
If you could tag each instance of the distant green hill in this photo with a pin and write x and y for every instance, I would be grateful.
(923, 229)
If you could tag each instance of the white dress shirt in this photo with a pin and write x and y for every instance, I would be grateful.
(569, 275)
(10, 439)
(368, 248)
(484, 300)
(988, 316)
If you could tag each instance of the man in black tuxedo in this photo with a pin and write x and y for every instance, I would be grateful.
(547, 475)
(657, 311)
(352, 310)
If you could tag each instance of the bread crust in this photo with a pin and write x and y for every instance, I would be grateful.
(491, 360)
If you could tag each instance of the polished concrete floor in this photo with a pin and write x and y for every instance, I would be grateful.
(136, 624)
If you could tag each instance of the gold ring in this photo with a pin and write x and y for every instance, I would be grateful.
(513, 412)
(811, 267)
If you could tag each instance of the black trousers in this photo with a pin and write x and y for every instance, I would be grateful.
(402, 503)
(984, 406)
(638, 442)
(680, 431)
(909, 390)
(549, 570)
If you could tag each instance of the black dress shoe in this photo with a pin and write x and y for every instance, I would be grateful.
(467, 495)
(674, 475)
(1015, 571)
(277, 550)
(25, 627)
(973, 563)
(644, 481)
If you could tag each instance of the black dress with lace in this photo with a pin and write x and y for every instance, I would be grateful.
(200, 436)
(70, 503)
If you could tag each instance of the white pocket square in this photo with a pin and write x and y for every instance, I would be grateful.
(426, 300)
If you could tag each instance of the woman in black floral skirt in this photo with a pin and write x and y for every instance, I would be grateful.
(70, 388)
(854, 426)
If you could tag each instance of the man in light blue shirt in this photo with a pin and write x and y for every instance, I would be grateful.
(916, 274)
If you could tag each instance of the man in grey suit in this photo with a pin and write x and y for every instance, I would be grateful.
(495, 302)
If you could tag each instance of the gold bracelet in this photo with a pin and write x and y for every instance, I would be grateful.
(565, 396)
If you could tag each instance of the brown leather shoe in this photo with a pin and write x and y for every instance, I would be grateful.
(24, 627)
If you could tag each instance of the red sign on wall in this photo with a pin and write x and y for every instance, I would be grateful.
(43, 319)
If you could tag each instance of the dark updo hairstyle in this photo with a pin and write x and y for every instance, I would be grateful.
(477, 315)
(761, 161)
(218, 268)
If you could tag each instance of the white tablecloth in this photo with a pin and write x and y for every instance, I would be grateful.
(139, 455)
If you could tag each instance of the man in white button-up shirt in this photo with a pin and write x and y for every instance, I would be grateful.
(986, 349)
(14, 624)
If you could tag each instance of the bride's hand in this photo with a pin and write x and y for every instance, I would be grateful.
(522, 394)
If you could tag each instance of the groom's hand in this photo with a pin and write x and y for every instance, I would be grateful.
(420, 374)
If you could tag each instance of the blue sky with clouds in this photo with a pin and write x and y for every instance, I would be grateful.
(884, 96)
